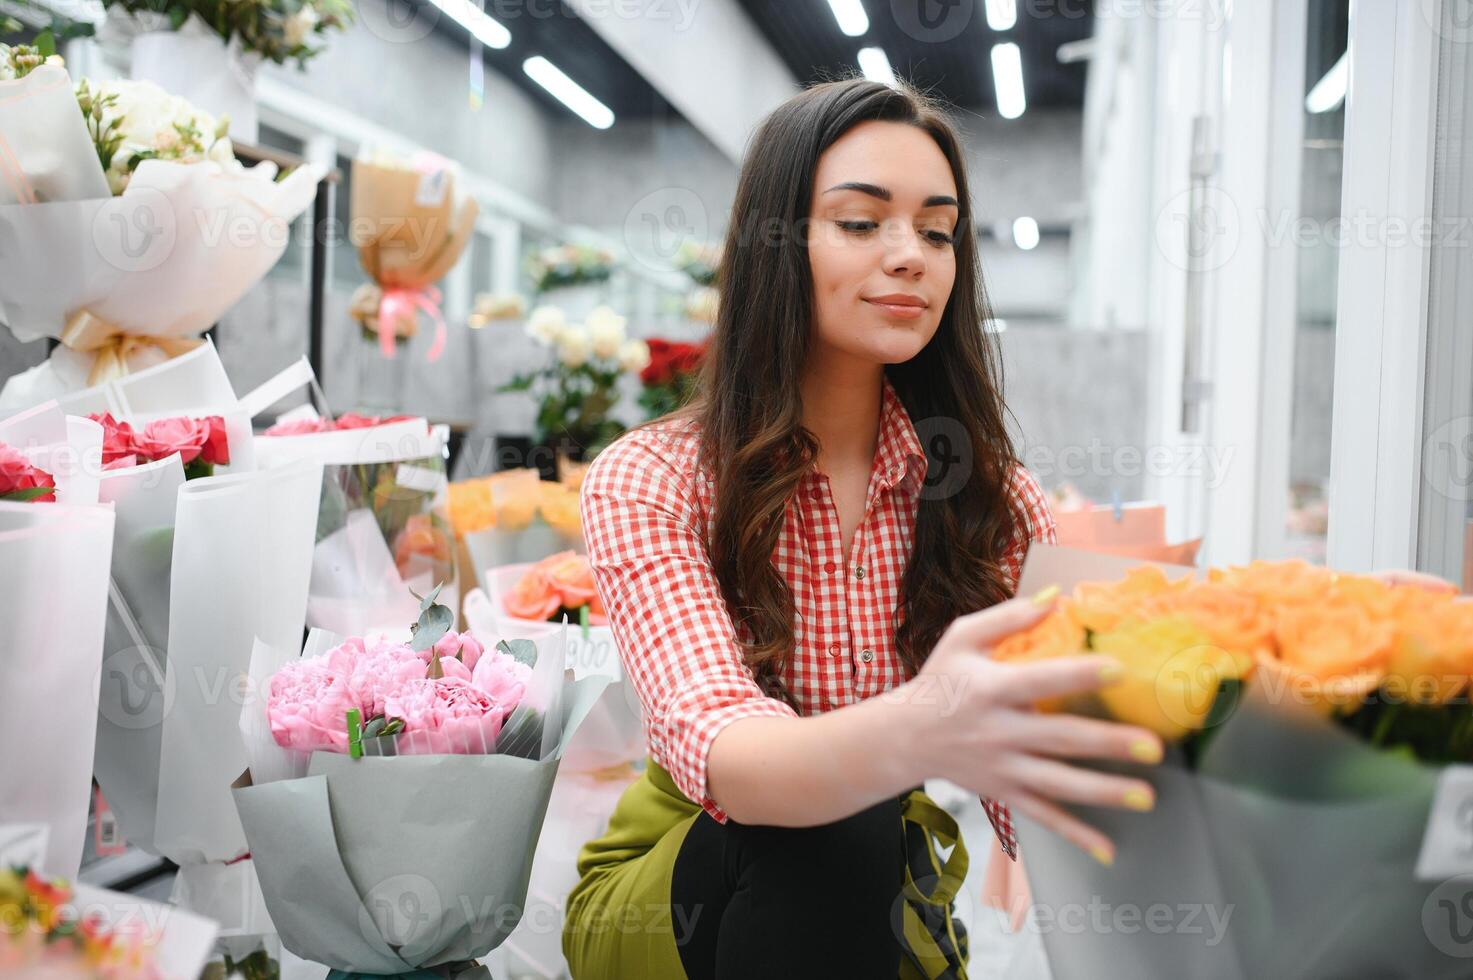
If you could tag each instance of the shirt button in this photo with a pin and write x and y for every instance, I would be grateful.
(859, 571)
(830, 567)
(867, 655)
(835, 649)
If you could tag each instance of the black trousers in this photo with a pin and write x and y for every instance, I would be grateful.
(764, 903)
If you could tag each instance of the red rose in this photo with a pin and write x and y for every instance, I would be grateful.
(162, 438)
(18, 477)
(352, 420)
(118, 446)
(217, 446)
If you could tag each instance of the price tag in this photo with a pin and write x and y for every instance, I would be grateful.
(1447, 844)
(433, 185)
(108, 837)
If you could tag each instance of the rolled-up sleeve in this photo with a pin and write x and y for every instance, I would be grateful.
(675, 636)
(1033, 521)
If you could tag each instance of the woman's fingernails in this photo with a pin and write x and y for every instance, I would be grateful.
(1145, 750)
(1111, 671)
(1045, 596)
(1139, 799)
(1102, 854)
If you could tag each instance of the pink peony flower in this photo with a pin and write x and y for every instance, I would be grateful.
(445, 717)
(453, 643)
(18, 476)
(502, 677)
(375, 671)
(307, 704)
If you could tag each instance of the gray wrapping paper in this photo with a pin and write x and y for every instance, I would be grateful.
(384, 865)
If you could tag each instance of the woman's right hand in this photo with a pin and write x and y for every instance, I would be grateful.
(974, 724)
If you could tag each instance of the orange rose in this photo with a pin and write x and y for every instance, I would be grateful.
(559, 506)
(420, 537)
(1057, 635)
(1103, 605)
(563, 579)
(471, 508)
(1432, 656)
(1277, 582)
(1330, 653)
(1232, 620)
(533, 597)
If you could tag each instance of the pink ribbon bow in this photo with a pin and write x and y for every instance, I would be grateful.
(403, 301)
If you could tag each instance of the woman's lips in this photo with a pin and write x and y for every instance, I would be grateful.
(899, 311)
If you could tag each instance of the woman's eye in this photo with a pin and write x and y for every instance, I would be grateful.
(940, 238)
(859, 227)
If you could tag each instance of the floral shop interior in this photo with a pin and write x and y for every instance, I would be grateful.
(1157, 314)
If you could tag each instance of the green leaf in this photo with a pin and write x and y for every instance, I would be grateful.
(394, 727)
(177, 17)
(25, 496)
(45, 43)
(522, 651)
(375, 728)
(435, 620)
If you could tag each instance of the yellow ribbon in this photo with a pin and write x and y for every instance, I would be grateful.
(88, 334)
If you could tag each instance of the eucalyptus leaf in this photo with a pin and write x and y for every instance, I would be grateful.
(523, 651)
(375, 727)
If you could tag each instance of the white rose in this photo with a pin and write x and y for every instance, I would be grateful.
(150, 119)
(634, 356)
(299, 25)
(606, 329)
(573, 347)
(546, 325)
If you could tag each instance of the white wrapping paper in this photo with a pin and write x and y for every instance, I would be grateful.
(53, 600)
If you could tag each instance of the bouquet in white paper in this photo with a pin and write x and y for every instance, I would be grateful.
(127, 227)
(54, 556)
(396, 790)
(383, 527)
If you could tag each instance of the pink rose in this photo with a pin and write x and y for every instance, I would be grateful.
(352, 420)
(162, 438)
(299, 427)
(445, 717)
(19, 478)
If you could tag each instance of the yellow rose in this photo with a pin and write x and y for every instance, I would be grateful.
(470, 506)
(560, 509)
(1172, 672)
(1232, 620)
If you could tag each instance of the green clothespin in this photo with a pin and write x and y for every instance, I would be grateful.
(355, 733)
(583, 621)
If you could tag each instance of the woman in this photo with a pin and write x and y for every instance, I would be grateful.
(806, 568)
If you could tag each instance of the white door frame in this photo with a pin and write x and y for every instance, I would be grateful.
(1381, 307)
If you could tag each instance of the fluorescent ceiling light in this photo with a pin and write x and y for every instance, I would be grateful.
(1002, 15)
(484, 27)
(568, 92)
(850, 14)
(876, 66)
(1329, 92)
(1025, 234)
(1007, 80)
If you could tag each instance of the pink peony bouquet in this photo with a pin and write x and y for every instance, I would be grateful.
(201, 443)
(449, 698)
(21, 481)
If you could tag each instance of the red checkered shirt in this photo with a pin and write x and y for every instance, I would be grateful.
(645, 503)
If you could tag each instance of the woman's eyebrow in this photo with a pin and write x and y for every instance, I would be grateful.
(874, 190)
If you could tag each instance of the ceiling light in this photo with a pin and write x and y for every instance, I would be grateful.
(1025, 234)
(568, 92)
(1002, 15)
(850, 14)
(876, 66)
(1007, 80)
(1329, 92)
(486, 29)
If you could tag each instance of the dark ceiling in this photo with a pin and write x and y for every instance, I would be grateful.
(940, 45)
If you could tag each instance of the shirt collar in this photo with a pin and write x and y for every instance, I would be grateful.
(899, 457)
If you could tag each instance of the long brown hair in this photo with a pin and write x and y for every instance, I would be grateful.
(749, 410)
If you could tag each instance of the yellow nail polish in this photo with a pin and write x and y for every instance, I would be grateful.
(1112, 672)
(1046, 595)
(1145, 750)
(1102, 855)
(1139, 799)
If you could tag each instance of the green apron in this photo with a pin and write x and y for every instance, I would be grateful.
(619, 923)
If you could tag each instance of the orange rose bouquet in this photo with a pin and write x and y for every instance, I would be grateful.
(1318, 732)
